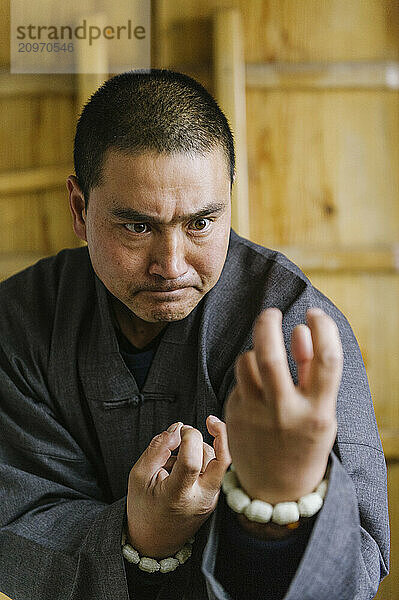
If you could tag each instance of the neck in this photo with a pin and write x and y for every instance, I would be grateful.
(138, 332)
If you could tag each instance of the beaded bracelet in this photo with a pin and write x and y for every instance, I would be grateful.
(150, 565)
(283, 513)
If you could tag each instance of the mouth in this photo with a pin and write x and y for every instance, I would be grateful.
(171, 292)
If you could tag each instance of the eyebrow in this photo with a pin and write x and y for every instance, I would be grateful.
(129, 214)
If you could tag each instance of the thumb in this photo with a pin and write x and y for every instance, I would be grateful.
(157, 453)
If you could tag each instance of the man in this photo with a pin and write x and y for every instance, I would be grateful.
(118, 354)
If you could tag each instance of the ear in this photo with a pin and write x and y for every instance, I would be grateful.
(77, 207)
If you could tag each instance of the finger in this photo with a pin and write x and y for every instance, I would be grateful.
(189, 460)
(302, 351)
(216, 468)
(157, 453)
(208, 455)
(326, 368)
(271, 356)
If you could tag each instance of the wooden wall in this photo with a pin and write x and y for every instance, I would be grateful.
(322, 125)
(36, 142)
(322, 97)
(38, 120)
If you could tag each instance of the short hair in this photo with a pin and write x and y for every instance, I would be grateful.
(141, 110)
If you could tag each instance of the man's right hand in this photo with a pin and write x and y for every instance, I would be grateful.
(169, 498)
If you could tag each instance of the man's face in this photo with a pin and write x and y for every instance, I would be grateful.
(158, 230)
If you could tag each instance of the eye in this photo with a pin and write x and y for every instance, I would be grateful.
(201, 224)
(136, 227)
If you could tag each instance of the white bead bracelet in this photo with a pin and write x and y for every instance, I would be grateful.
(150, 565)
(283, 513)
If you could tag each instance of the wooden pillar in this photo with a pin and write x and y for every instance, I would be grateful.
(229, 78)
(92, 64)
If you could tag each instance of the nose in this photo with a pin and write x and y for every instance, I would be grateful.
(168, 257)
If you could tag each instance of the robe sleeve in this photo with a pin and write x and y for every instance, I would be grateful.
(59, 537)
(347, 552)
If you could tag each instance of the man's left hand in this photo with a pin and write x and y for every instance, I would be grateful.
(280, 435)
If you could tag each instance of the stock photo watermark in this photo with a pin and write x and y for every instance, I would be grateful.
(47, 37)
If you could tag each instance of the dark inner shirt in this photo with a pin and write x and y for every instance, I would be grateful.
(138, 360)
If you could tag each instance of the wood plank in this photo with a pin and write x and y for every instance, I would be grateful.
(20, 118)
(52, 133)
(381, 75)
(323, 167)
(293, 30)
(383, 258)
(37, 221)
(314, 30)
(5, 35)
(332, 75)
(17, 84)
(29, 180)
(369, 301)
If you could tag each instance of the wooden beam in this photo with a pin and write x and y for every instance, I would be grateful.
(297, 76)
(339, 75)
(30, 180)
(229, 77)
(92, 64)
(17, 84)
(370, 259)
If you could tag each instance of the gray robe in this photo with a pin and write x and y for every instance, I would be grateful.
(73, 423)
